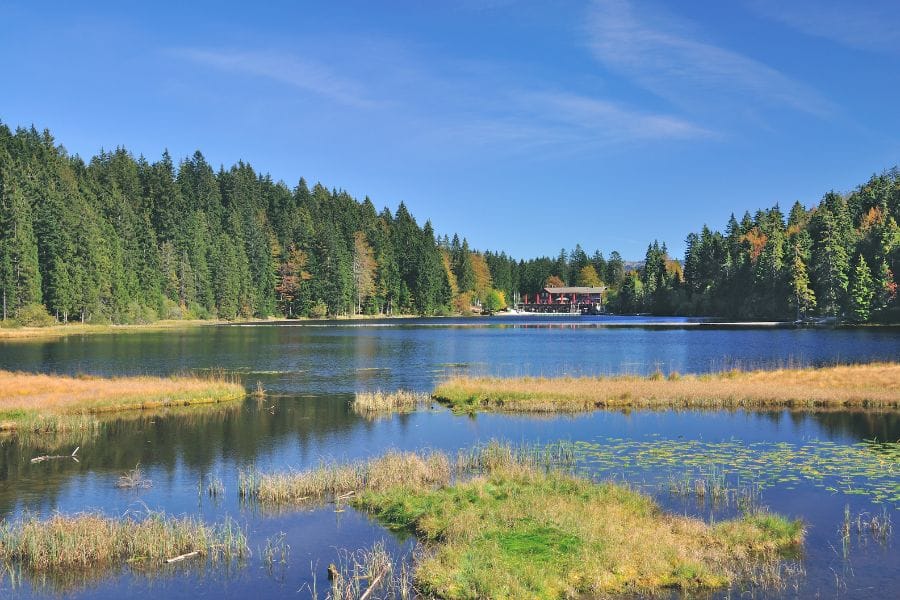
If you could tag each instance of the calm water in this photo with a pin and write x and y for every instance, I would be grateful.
(810, 465)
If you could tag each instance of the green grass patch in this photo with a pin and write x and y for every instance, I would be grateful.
(519, 532)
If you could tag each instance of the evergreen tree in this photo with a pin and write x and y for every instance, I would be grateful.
(862, 291)
(804, 298)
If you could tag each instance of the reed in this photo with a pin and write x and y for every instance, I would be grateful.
(378, 402)
(369, 574)
(41, 403)
(332, 481)
(134, 479)
(864, 385)
(92, 541)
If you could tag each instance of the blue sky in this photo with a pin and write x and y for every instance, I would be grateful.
(524, 126)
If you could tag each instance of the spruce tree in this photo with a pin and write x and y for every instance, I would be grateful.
(862, 291)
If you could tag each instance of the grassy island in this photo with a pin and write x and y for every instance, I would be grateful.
(37, 402)
(501, 524)
(875, 385)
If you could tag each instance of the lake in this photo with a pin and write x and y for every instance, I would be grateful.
(811, 465)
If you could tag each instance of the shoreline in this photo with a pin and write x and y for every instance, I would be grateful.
(14, 334)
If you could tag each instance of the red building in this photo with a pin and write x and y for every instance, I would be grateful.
(571, 299)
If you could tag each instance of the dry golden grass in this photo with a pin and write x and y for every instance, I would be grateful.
(56, 331)
(334, 480)
(92, 541)
(369, 404)
(32, 398)
(875, 385)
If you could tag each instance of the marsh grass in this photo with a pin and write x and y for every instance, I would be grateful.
(374, 403)
(711, 486)
(90, 541)
(332, 481)
(865, 385)
(39, 403)
(521, 532)
(370, 573)
(507, 521)
(134, 479)
(864, 525)
(275, 554)
(215, 487)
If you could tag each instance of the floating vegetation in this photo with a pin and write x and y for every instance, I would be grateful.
(134, 479)
(869, 468)
(375, 403)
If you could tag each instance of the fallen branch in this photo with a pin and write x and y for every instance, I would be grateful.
(38, 459)
(347, 495)
(374, 584)
(182, 557)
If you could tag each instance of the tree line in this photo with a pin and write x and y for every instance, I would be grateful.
(124, 240)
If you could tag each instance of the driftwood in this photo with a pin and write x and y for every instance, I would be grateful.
(344, 496)
(374, 584)
(38, 459)
(182, 557)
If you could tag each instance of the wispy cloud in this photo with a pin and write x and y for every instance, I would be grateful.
(602, 119)
(296, 72)
(860, 24)
(666, 58)
(454, 103)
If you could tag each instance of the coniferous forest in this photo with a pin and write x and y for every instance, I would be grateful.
(120, 239)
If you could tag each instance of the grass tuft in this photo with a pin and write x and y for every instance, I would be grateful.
(374, 403)
(92, 541)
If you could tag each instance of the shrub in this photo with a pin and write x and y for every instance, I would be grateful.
(319, 310)
(34, 315)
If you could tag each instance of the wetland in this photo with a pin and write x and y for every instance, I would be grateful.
(834, 469)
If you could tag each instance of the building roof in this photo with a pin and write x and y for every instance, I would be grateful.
(575, 290)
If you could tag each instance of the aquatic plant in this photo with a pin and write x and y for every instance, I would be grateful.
(868, 385)
(92, 541)
(134, 479)
(373, 403)
(367, 574)
(214, 486)
(276, 552)
(869, 468)
(335, 481)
